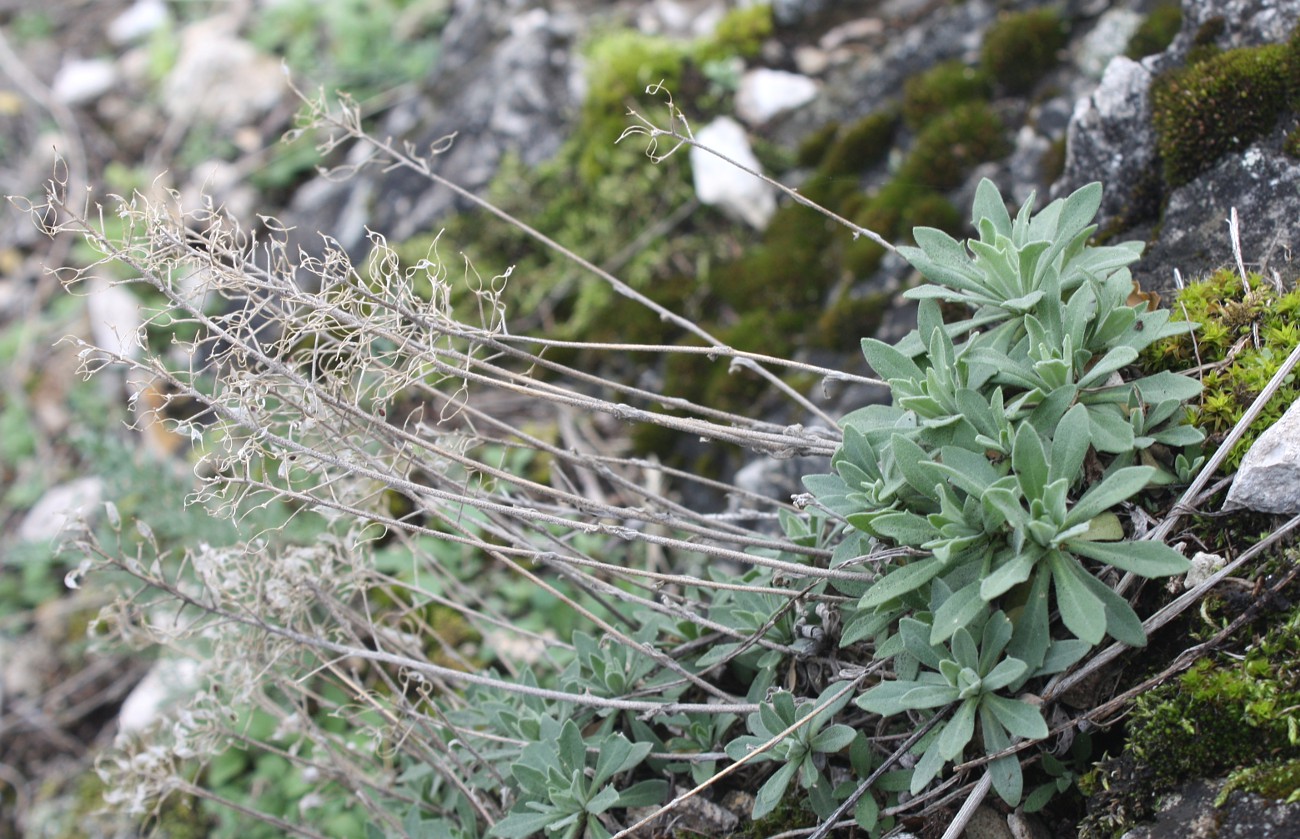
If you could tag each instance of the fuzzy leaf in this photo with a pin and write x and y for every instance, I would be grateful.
(906, 579)
(1011, 573)
(1019, 718)
(1118, 486)
(889, 363)
(770, 794)
(1005, 771)
(1082, 611)
(959, 730)
(833, 739)
(1144, 558)
(959, 610)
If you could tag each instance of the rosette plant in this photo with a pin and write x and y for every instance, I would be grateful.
(1014, 438)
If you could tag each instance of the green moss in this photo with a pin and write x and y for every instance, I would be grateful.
(941, 88)
(814, 146)
(844, 324)
(1237, 712)
(952, 145)
(1276, 780)
(931, 210)
(1230, 322)
(1292, 143)
(741, 32)
(1052, 165)
(1020, 47)
(861, 145)
(1156, 32)
(1220, 105)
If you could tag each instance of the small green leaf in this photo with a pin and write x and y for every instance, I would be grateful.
(833, 739)
(1010, 573)
(770, 794)
(1144, 558)
(959, 730)
(1029, 462)
(1020, 718)
(906, 579)
(1070, 445)
(1081, 610)
(1118, 486)
(889, 363)
(1007, 671)
(958, 611)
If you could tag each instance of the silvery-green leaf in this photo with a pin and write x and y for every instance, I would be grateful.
(1118, 486)
(1005, 771)
(1069, 445)
(906, 579)
(888, 362)
(1121, 621)
(988, 205)
(1019, 718)
(1117, 358)
(1011, 573)
(930, 764)
(959, 730)
(1082, 611)
(958, 611)
(1029, 462)
(1146, 559)
(1110, 431)
(770, 794)
(833, 739)
(1165, 386)
(1007, 671)
(1031, 634)
(1062, 655)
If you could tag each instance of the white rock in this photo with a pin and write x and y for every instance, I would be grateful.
(138, 22)
(115, 319)
(59, 506)
(1204, 566)
(169, 681)
(721, 184)
(83, 80)
(1269, 478)
(810, 60)
(765, 93)
(1106, 40)
(221, 78)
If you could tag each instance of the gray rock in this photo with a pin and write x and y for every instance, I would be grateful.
(221, 78)
(721, 183)
(1190, 814)
(508, 80)
(1194, 237)
(1106, 41)
(1269, 477)
(1110, 139)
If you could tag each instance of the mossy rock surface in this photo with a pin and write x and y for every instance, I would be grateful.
(940, 89)
(1217, 106)
(1020, 47)
(1157, 31)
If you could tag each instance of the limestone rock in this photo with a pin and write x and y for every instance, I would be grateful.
(720, 183)
(1110, 139)
(81, 81)
(221, 78)
(765, 93)
(1269, 477)
(58, 507)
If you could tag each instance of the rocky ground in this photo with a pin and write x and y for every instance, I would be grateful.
(193, 97)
